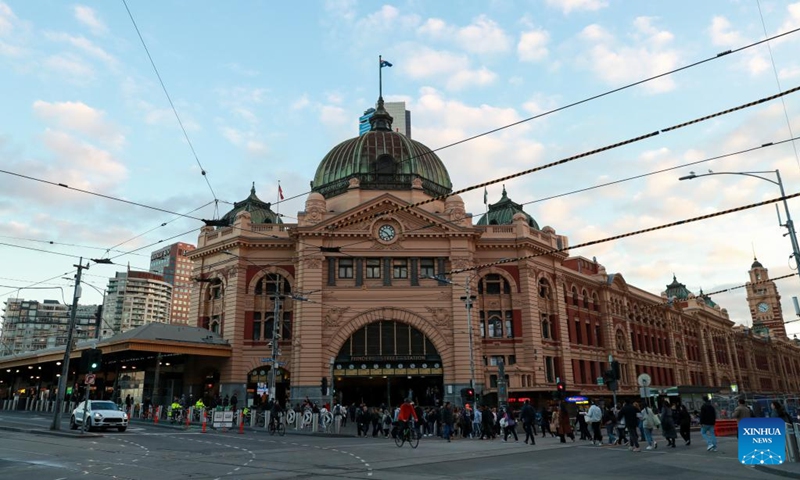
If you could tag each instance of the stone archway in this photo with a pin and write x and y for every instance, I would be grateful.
(442, 344)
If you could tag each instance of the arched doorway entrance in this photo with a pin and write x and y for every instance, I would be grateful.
(258, 384)
(386, 361)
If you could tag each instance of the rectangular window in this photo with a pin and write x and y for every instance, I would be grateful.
(483, 324)
(257, 326)
(426, 268)
(549, 370)
(512, 359)
(509, 325)
(373, 268)
(345, 268)
(578, 337)
(400, 268)
(494, 360)
(493, 381)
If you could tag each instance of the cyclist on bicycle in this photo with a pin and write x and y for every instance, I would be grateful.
(275, 412)
(406, 413)
(175, 410)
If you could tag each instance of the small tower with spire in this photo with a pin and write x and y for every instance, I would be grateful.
(764, 300)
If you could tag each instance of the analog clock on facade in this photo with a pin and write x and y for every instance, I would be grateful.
(386, 233)
(763, 307)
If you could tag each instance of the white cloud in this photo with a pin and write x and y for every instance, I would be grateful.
(787, 73)
(246, 140)
(165, 117)
(334, 116)
(81, 118)
(722, 35)
(568, 6)
(83, 44)
(532, 45)
(70, 67)
(88, 17)
(453, 69)
(482, 36)
(7, 19)
(649, 54)
(301, 103)
(81, 164)
(387, 16)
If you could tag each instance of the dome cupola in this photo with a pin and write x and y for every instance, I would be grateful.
(381, 159)
(260, 212)
(502, 213)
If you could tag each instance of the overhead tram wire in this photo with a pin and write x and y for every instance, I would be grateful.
(778, 82)
(51, 242)
(587, 99)
(34, 284)
(172, 105)
(566, 160)
(625, 235)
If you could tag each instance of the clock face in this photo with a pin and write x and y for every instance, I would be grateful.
(763, 307)
(386, 233)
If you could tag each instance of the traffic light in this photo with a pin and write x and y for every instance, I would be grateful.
(468, 394)
(561, 390)
(609, 380)
(324, 388)
(94, 359)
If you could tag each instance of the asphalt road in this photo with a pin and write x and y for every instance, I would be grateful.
(154, 452)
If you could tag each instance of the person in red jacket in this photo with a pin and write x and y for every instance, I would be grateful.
(405, 415)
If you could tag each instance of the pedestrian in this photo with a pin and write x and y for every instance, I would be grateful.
(668, 424)
(708, 417)
(560, 421)
(511, 424)
(685, 424)
(234, 401)
(487, 423)
(128, 403)
(779, 412)
(580, 422)
(545, 417)
(610, 422)
(447, 421)
(741, 411)
(363, 419)
(630, 413)
(594, 416)
(650, 422)
(528, 416)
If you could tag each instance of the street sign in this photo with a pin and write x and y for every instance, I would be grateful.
(643, 380)
(223, 419)
(89, 379)
(600, 381)
(644, 392)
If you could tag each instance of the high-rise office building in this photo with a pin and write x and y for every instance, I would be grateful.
(401, 118)
(134, 299)
(171, 262)
(29, 325)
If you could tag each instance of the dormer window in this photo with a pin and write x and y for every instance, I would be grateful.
(385, 165)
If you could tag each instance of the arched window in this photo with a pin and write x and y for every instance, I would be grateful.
(546, 327)
(384, 165)
(620, 341)
(216, 290)
(544, 288)
(595, 302)
(585, 299)
(214, 325)
(575, 296)
(271, 283)
(494, 284)
(262, 327)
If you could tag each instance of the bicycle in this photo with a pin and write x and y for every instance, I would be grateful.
(409, 434)
(275, 425)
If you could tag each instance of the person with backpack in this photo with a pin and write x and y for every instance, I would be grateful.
(650, 422)
(510, 424)
(708, 417)
(593, 418)
(610, 423)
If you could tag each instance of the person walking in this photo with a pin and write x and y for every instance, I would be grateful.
(593, 417)
(545, 418)
(668, 424)
(447, 421)
(528, 416)
(511, 424)
(630, 414)
(685, 424)
(562, 423)
(777, 411)
(609, 420)
(487, 423)
(741, 411)
(708, 417)
(650, 422)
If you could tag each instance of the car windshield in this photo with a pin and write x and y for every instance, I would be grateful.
(104, 406)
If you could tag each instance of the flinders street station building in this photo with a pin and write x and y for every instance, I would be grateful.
(382, 291)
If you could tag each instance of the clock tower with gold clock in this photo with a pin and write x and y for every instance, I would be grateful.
(764, 300)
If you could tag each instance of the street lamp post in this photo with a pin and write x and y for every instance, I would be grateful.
(756, 174)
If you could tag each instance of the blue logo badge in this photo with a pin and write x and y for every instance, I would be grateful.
(762, 441)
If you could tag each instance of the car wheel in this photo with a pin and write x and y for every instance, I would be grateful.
(88, 422)
(122, 429)
(72, 424)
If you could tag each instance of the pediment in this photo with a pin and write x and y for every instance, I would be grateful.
(386, 208)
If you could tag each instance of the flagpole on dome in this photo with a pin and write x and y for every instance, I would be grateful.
(380, 76)
(486, 204)
(278, 203)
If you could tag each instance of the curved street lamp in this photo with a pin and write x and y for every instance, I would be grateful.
(756, 174)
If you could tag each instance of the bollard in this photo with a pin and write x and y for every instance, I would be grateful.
(267, 417)
(241, 423)
(204, 421)
(188, 418)
(156, 415)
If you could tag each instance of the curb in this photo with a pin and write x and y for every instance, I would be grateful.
(256, 430)
(55, 433)
(776, 471)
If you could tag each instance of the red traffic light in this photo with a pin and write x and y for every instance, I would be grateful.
(561, 386)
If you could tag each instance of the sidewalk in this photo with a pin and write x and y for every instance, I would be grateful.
(787, 469)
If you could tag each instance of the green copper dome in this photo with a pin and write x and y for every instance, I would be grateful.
(381, 159)
(677, 289)
(502, 213)
(260, 212)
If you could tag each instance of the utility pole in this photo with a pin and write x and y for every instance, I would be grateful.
(62, 380)
(275, 348)
(468, 299)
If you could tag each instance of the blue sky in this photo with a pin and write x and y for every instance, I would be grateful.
(266, 88)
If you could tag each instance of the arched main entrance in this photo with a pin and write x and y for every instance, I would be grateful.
(258, 384)
(386, 361)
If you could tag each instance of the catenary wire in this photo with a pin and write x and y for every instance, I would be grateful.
(591, 98)
(564, 160)
(171, 104)
(626, 235)
(51, 242)
(778, 82)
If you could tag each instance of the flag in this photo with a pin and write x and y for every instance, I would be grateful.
(384, 63)
(485, 196)
(280, 191)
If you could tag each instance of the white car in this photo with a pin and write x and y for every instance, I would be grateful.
(99, 414)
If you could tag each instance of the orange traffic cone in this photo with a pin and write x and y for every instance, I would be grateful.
(204, 421)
